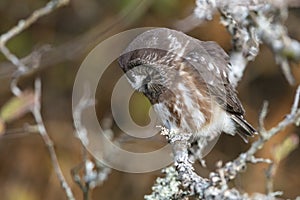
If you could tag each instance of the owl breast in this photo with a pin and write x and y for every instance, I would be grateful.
(188, 108)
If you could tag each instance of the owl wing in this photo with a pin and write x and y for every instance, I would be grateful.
(219, 86)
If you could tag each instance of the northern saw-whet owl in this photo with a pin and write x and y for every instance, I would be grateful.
(186, 81)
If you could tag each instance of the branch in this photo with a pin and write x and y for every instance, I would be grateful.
(231, 169)
(217, 184)
(94, 172)
(36, 111)
(22, 70)
(251, 23)
(80, 45)
(24, 24)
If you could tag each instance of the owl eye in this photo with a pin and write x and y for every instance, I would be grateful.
(147, 79)
(145, 88)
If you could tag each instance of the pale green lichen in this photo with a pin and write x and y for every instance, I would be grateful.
(166, 188)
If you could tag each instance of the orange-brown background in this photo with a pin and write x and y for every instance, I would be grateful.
(25, 167)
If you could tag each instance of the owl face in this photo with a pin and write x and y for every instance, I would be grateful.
(150, 80)
(139, 77)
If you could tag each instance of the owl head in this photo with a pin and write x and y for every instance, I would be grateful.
(148, 71)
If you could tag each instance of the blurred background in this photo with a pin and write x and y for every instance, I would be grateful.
(26, 172)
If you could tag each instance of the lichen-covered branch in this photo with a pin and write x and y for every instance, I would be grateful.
(216, 187)
(251, 23)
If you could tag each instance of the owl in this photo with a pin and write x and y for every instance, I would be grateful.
(186, 81)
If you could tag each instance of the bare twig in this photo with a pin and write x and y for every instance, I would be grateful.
(36, 111)
(270, 178)
(12, 57)
(295, 106)
(85, 102)
(237, 165)
(94, 173)
(79, 46)
(21, 70)
(262, 117)
(24, 24)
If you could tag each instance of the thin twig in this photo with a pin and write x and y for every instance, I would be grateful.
(295, 106)
(85, 102)
(262, 117)
(270, 178)
(237, 165)
(80, 45)
(12, 58)
(24, 24)
(94, 173)
(286, 70)
(36, 111)
(21, 70)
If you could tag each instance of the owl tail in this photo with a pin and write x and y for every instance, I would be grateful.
(243, 128)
